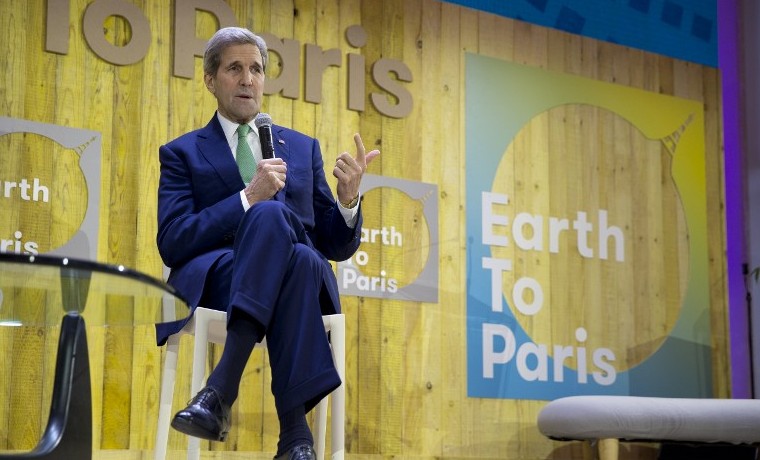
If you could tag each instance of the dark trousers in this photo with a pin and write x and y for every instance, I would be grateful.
(275, 276)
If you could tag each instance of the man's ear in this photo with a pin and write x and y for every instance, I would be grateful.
(209, 81)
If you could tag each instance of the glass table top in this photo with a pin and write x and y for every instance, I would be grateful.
(38, 290)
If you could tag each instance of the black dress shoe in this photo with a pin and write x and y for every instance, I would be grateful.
(299, 452)
(207, 416)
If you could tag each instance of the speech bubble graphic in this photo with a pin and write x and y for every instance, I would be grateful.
(50, 189)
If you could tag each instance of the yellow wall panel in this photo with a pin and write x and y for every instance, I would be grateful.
(406, 361)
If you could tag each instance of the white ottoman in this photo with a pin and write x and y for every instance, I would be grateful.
(609, 419)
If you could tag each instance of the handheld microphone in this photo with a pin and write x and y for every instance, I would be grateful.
(264, 124)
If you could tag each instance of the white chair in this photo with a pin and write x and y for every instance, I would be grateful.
(209, 325)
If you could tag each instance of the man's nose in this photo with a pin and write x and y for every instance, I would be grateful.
(248, 77)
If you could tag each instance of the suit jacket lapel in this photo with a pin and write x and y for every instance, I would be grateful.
(281, 150)
(214, 148)
(281, 147)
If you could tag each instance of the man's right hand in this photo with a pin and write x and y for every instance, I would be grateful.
(269, 179)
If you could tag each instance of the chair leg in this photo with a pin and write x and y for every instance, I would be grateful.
(338, 337)
(608, 449)
(200, 349)
(320, 427)
(168, 379)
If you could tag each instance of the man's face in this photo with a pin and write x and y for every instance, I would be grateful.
(239, 83)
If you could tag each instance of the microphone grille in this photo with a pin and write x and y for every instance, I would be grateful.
(262, 119)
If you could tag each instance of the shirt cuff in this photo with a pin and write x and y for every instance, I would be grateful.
(244, 200)
(349, 215)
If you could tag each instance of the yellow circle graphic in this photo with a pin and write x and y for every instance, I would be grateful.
(395, 237)
(44, 193)
(596, 233)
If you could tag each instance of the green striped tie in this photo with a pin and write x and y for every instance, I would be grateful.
(243, 155)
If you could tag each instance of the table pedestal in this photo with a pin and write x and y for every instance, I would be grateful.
(68, 434)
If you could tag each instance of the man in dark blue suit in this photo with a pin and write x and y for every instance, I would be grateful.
(254, 239)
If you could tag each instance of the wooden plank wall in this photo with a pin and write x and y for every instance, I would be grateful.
(406, 361)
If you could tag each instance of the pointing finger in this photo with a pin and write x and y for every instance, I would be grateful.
(359, 148)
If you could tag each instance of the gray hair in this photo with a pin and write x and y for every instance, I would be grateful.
(226, 37)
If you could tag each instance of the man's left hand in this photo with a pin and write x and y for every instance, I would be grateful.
(349, 171)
